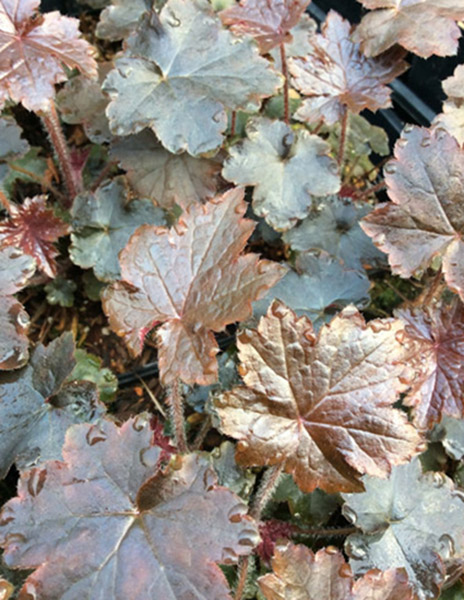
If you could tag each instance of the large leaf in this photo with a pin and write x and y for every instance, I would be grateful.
(166, 178)
(425, 27)
(336, 76)
(334, 227)
(34, 228)
(320, 405)
(37, 406)
(194, 280)
(426, 216)
(287, 168)
(106, 523)
(299, 574)
(435, 338)
(452, 118)
(33, 50)
(191, 71)
(319, 286)
(411, 520)
(268, 21)
(16, 269)
(299, 44)
(11, 143)
(119, 19)
(82, 101)
(103, 222)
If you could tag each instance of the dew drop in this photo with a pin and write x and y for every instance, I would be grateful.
(249, 537)
(331, 550)
(333, 167)
(139, 423)
(441, 133)
(149, 456)
(426, 142)
(390, 168)
(95, 435)
(356, 549)
(209, 479)
(236, 513)
(36, 481)
(447, 547)
(408, 128)
(422, 446)
(22, 319)
(218, 117)
(349, 514)
(173, 20)
(402, 142)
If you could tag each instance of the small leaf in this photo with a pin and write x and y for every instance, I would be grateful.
(299, 44)
(452, 118)
(320, 286)
(152, 534)
(119, 19)
(424, 27)
(231, 475)
(450, 432)
(334, 227)
(268, 21)
(166, 178)
(434, 337)
(170, 78)
(320, 405)
(425, 219)
(16, 269)
(103, 222)
(81, 100)
(34, 228)
(286, 167)
(299, 574)
(37, 406)
(336, 76)
(411, 520)
(61, 291)
(33, 51)
(89, 368)
(11, 143)
(194, 280)
(32, 162)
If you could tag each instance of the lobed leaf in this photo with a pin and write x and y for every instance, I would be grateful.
(34, 228)
(178, 76)
(120, 18)
(452, 117)
(103, 222)
(152, 534)
(166, 178)
(16, 269)
(336, 76)
(411, 521)
(434, 337)
(286, 167)
(299, 574)
(268, 21)
(193, 279)
(334, 227)
(320, 405)
(425, 27)
(11, 143)
(425, 219)
(33, 50)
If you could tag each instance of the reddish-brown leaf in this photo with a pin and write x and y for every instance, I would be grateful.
(299, 574)
(34, 228)
(336, 75)
(434, 338)
(33, 50)
(106, 523)
(424, 27)
(268, 21)
(194, 280)
(425, 219)
(320, 405)
(16, 269)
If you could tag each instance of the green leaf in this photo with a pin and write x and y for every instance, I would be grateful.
(61, 291)
(89, 368)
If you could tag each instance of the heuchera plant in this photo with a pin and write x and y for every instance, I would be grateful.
(193, 196)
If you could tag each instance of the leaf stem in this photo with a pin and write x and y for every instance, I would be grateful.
(5, 202)
(202, 432)
(233, 123)
(263, 495)
(283, 60)
(324, 532)
(372, 190)
(344, 127)
(43, 182)
(176, 407)
(52, 123)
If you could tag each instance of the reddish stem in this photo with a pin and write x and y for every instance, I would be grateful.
(372, 190)
(341, 149)
(233, 123)
(52, 123)
(283, 60)
(318, 127)
(5, 202)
